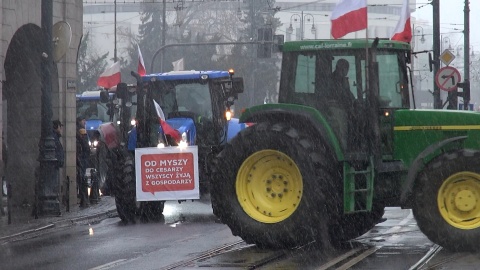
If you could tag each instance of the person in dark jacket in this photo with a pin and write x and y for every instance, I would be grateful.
(81, 121)
(57, 134)
(83, 153)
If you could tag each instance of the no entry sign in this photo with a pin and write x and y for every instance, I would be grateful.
(447, 78)
(169, 173)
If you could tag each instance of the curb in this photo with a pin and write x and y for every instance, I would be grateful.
(63, 223)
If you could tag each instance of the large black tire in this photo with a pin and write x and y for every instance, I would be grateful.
(104, 167)
(125, 187)
(351, 226)
(447, 200)
(269, 185)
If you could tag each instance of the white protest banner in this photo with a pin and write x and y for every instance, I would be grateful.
(169, 173)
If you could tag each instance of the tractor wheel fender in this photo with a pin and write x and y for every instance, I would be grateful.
(419, 163)
(303, 120)
(234, 127)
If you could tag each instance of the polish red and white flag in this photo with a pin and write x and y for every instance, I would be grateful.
(167, 129)
(141, 65)
(110, 77)
(403, 30)
(348, 16)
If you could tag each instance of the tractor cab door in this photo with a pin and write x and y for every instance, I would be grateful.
(331, 81)
(335, 83)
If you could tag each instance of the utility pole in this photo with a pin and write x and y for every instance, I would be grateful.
(251, 93)
(47, 189)
(466, 53)
(437, 101)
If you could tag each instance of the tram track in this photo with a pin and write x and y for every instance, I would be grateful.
(239, 255)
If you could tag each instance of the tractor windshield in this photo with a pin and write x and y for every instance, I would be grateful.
(316, 78)
(184, 96)
(92, 109)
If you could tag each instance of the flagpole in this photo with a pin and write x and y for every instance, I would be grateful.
(367, 58)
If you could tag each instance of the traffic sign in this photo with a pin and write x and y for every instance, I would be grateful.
(447, 57)
(447, 78)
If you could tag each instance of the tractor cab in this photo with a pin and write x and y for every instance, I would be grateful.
(195, 105)
(184, 99)
(331, 76)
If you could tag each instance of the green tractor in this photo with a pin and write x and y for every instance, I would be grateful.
(321, 164)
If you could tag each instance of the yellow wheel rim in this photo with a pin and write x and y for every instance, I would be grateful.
(269, 186)
(459, 200)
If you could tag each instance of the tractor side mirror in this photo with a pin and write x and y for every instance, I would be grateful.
(104, 96)
(122, 90)
(237, 86)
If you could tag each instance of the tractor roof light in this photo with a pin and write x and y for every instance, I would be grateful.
(231, 72)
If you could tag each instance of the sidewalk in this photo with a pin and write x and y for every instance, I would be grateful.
(24, 223)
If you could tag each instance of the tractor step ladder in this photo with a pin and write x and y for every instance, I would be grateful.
(358, 188)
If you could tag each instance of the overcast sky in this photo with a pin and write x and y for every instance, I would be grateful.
(452, 19)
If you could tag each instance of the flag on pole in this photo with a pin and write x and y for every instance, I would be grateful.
(178, 65)
(348, 16)
(110, 77)
(141, 65)
(167, 129)
(403, 30)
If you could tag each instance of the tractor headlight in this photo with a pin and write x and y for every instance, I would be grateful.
(183, 143)
(228, 115)
(95, 143)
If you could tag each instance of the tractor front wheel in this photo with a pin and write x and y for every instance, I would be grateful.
(125, 188)
(269, 186)
(447, 200)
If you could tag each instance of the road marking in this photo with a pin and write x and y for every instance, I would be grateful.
(109, 265)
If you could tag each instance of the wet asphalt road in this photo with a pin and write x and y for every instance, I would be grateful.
(190, 229)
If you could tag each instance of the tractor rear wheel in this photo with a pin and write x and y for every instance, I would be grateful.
(269, 186)
(447, 200)
(125, 188)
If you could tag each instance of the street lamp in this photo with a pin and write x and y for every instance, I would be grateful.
(422, 39)
(459, 47)
(446, 40)
(302, 18)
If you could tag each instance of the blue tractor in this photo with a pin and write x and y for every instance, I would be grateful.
(192, 108)
(94, 111)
